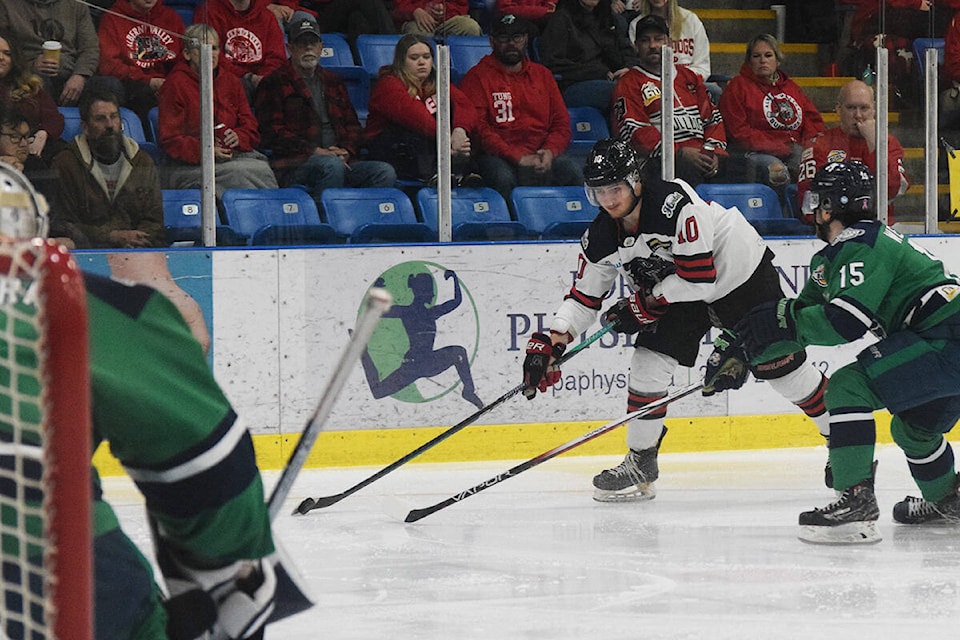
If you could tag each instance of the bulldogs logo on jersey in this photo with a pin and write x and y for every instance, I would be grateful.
(243, 46)
(782, 112)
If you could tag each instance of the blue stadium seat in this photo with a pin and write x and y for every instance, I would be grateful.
(181, 220)
(466, 51)
(132, 126)
(375, 51)
(555, 213)
(478, 215)
(791, 205)
(374, 216)
(920, 46)
(336, 51)
(358, 86)
(758, 203)
(153, 117)
(587, 125)
(276, 216)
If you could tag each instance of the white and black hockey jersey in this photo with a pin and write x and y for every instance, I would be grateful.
(715, 250)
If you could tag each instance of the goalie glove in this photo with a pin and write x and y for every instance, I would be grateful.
(242, 594)
(766, 324)
(538, 370)
(635, 313)
(726, 366)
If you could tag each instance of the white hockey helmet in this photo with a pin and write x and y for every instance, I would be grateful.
(23, 211)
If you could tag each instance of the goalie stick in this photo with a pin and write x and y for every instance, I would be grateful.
(309, 504)
(418, 514)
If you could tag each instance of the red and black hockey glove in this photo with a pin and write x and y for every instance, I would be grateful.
(635, 313)
(538, 370)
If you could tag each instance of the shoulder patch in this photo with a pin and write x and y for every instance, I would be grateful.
(670, 204)
(818, 277)
(836, 155)
(585, 239)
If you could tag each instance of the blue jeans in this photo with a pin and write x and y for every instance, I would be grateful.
(503, 175)
(330, 172)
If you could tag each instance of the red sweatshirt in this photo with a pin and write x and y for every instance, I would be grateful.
(517, 113)
(768, 118)
(392, 106)
(403, 9)
(180, 112)
(251, 40)
(139, 52)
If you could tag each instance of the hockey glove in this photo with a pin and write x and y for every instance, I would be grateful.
(242, 593)
(726, 366)
(765, 325)
(636, 313)
(648, 272)
(538, 370)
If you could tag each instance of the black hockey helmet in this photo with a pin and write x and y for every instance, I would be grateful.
(845, 189)
(611, 161)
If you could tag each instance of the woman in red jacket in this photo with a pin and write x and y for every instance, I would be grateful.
(239, 166)
(402, 125)
(767, 116)
(139, 52)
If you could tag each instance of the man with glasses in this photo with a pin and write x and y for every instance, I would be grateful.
(524, 124)
(108, 193)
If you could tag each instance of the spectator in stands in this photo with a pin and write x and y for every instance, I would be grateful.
(523, 123)
(309, 124)
(700, 140)
(688, 38)
(536, 11)
(23, 90)
(949, 103)
(583, 45)
(108, 191)
(15, 139)
(239, 166)
(349, 17)
(435, 17)
(141, 51)
(767, 116)
(34, 22)
(854, 139)
(402, 125)
(251, 38)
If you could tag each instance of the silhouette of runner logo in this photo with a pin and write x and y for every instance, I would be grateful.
(431, 307)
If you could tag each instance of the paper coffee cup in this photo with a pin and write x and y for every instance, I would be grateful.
(51, 50)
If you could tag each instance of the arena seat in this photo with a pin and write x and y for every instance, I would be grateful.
(132, 126)
(587, 125)
(276, 216)
(374, 215)
(479, 214)
(758, 203)
(554, 213)
(181, 220)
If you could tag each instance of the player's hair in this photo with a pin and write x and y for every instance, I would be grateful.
(23, 83)
(769, 40)
(397, 67)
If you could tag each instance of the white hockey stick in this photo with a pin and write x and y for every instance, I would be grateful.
(378, 301)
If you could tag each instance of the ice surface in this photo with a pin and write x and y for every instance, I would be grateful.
(714, 556)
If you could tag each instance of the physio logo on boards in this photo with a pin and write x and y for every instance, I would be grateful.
(425, 344)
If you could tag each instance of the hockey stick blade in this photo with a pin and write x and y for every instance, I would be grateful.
(309, 504)
(375, 305)
(418, 514)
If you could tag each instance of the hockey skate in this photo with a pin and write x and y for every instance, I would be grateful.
(631, 480)
(913, 510)
(850, 519)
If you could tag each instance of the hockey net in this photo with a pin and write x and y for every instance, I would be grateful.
(45, 490)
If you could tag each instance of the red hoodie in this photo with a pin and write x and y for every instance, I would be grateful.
(180, 112)
(139, 52)
(517, 113)
(768, 118)
(392, 106)
(251, 40)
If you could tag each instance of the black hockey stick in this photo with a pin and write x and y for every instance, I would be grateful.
(417, 514)
(310, 504)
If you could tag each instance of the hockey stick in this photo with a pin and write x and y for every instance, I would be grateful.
(310, 504)
(376, 304)
(417, 514)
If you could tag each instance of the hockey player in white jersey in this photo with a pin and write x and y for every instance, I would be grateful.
(692, 265)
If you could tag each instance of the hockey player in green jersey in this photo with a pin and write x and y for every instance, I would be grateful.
(154, 399)
(870, 279)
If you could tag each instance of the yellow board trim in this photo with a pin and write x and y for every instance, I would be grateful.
(380, 447)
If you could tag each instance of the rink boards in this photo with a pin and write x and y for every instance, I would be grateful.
(279, 319)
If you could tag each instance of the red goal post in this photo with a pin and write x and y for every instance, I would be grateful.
(45, 488)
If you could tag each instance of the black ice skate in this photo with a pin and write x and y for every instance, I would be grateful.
(631, 480)
(850, 519)
(913, 510)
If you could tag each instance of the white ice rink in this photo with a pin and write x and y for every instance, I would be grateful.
(714, 556)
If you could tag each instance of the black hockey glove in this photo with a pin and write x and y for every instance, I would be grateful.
(636, 313)
(538, 370)
(765, 325)
(726, 366)
(647, 272)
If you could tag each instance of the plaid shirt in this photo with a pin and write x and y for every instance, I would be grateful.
(289, 123)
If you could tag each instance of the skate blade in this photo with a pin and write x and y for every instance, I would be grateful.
(850, 533)
(637, 493)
